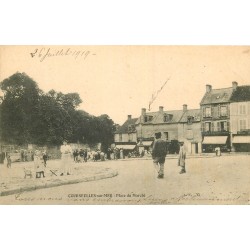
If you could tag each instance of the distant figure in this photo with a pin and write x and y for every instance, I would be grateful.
(22, 155)
(158, 154)
(5, 161)
(121, 153)
(85, 155)
(38, 164)
(66, 152)
(217, 151)
(8, 161)
(109, 154)
(182, 158)
(45, 158)
(102, 156)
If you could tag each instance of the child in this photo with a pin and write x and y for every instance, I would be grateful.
(182, 158)
(38, 164)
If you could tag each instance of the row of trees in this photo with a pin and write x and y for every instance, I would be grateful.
(29, 115)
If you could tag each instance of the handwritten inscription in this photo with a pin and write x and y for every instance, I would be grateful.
(46, 53)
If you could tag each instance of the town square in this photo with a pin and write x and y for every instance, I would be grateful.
(135, 140)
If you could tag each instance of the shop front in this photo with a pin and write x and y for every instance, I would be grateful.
(211, 142)
(241, 143)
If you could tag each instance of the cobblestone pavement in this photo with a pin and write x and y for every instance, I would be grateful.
(216, 180)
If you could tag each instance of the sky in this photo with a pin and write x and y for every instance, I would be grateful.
(120, 80)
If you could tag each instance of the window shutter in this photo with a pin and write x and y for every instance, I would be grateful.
(212, 111)
(212, 126)
(228, 126)
(227, 110)
(218, 126)
(203, 127)
(218, 111)
(203, 112)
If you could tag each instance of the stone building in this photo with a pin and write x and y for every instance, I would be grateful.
(240, 118)
(189, 130)
(126, 135)
(215, 118)
(174, 125)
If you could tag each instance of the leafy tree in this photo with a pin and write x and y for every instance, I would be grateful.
(28, 115)
(19, 108)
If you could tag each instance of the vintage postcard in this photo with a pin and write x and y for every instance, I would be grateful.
(132, 125)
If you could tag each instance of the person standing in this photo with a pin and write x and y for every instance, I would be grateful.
(66, 152)
(182, 158)
(159, 153)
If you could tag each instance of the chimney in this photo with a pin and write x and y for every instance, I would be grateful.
(143, 111)
(208, 88)
(234, 85)
(185, 107)
(129, 117)
(161, 109)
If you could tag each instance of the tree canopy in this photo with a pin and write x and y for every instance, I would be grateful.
(29, 115)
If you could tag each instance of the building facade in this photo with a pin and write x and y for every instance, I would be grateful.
(189, 130)
(126, 135)
(175, 126)
(215, 118)
(240, 119)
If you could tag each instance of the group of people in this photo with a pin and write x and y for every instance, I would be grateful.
(159, 153)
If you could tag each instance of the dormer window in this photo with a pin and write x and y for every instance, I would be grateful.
(190, 119)
(167, 117)
(131, 128)
(148, 118)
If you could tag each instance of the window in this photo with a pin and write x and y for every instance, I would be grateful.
(166, 135)
(120, 137)
(168, 117)
(148, 118)
(223, 126)
(242, 109)
(208, 112)
(131, 128)
(190, 119)
(207, 126)
(243, 124)
(190, 134)
(223, 110)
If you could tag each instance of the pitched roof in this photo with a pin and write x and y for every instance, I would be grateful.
(217, 96)
(191, 112)
(124, 128)
(241, 94)
(158, 117)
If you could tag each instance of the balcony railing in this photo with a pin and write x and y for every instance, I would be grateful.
(215, 132)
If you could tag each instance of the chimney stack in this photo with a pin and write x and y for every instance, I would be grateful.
(143, 111)
(185, 107)
(161, 109)
(208, 88)
(129, 117)
(234, 85)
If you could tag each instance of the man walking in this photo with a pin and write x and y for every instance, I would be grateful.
(159, 153)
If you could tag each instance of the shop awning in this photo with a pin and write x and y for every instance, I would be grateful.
(130, 147)
(215, 140)
(241, 139)
(145, 143)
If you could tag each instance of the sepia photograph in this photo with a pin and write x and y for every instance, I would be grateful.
(124, 125)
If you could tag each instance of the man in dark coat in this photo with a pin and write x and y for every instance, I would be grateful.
(159, 153)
